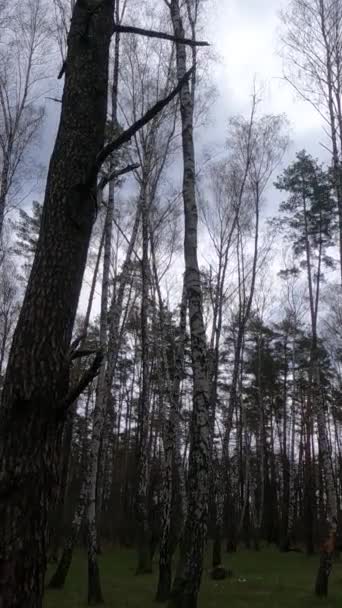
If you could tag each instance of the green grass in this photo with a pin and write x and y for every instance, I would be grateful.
(263, 580)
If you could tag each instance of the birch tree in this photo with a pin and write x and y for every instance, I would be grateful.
(257, 146)
(146, 70)
(23, 68)
(172, 463)
(187, 586)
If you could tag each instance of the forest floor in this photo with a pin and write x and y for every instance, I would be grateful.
(267, 579)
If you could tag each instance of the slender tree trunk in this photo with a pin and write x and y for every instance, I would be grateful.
(289, 493)
(4, 189)
(94, 585)
(187, 584)
(328, 544)
(37, 381)
(108, 377)
(219, 496)
(333, 112)
(69, 425)
(59, 577)
(116, 307)
(144, 565)
(309, 492)
(171, 461)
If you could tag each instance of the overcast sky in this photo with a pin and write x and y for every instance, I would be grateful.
(245, 36)
(245, 33)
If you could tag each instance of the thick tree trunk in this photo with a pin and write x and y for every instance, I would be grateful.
(37, 379)
(187, 584)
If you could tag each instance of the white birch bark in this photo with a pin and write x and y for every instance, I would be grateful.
(144, 558)
(172, 457)
(187, 586)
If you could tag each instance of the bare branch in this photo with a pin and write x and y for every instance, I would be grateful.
(305, 97)
(75, 344)
(126, 238)
(54, 99)
(127, 29)
(85, 380)
(115, 174)
(130, 132)
(62, 70)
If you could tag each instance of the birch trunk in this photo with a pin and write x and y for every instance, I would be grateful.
(171, 460)
(108, 378)
(144, 565)
(287, 540)
(187, 584)
(69, 425)
(59, 577)
(219, 496)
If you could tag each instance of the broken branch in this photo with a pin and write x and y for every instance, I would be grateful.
(62, 70)
(128, 29)
(115, 174)
(87, 377)
(75, 344)
(132, 130)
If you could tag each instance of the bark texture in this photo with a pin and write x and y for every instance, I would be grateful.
(172, 464)
(144, 565)
(188, 580)
(37, 379)
(328, 544)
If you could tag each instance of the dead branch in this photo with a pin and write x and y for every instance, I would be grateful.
(127, 29)
(115, 174)
(54, 99)
(132, 130)
(87, 377)
(75, 344)
(62, 70)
